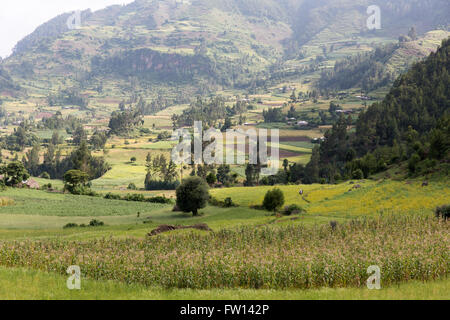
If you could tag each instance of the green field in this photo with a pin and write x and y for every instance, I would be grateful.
(36, 219)
(20, 284)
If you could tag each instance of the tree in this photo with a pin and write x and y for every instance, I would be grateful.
(223, 174)
(192, 195)
(252, 174)
(79, 135)
(31, 161)
(98, 140)
(56, 138)
(227, 125)
(74, 179)
(273, 200)
(14, 173)
(293, 96)
(211, 178)
(358, 174)
(133, 159)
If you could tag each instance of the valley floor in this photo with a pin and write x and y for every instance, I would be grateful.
(19, 284)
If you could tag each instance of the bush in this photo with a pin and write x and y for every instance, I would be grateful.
(96, 223)
(135, 197)
(138, 198)
(211, 178)
(112, 196)
(132, 186)
(227, 203)
(162, 200)
(443, 212)
(192, 195)
(273, 200)
(358, 174)
(293, 209)
(70, 225)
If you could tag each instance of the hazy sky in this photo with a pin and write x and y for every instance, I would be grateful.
(19, 18)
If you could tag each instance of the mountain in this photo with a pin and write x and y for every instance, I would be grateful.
(186, 47)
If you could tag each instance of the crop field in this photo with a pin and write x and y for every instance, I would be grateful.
(293, 257)
(298, 255)
(368, 198)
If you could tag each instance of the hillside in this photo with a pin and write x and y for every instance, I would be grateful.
(410, 125)
(379, 68)
(180, 48)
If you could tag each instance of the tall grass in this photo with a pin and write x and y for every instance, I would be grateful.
(405, 248)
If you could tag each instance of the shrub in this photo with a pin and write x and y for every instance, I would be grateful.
(192, 195)
(96, 223)
(132, 186)
(227, 203)
(162, 200)
(443, 212)
(112, 196)
(211, 178)
(135, 197)
(357, 174)
(293, 209)
(70, 225)
(273, 200)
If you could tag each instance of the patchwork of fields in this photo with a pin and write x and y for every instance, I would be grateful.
(297, 252)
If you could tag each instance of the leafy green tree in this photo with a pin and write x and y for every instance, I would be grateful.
(224, 174)
(413, 162)
(227, 125)
(211, 178)
(14, 173)
(75, 180)
(192, 195)
(358, 174)
(98, 140)
(252, 174)
(273, 200)
(31, 161)
(439, 143)
(56, 138)
(79, 135)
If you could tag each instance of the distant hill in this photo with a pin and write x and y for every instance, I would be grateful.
(188, 47)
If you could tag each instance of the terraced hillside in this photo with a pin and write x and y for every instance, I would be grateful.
(180, 47)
